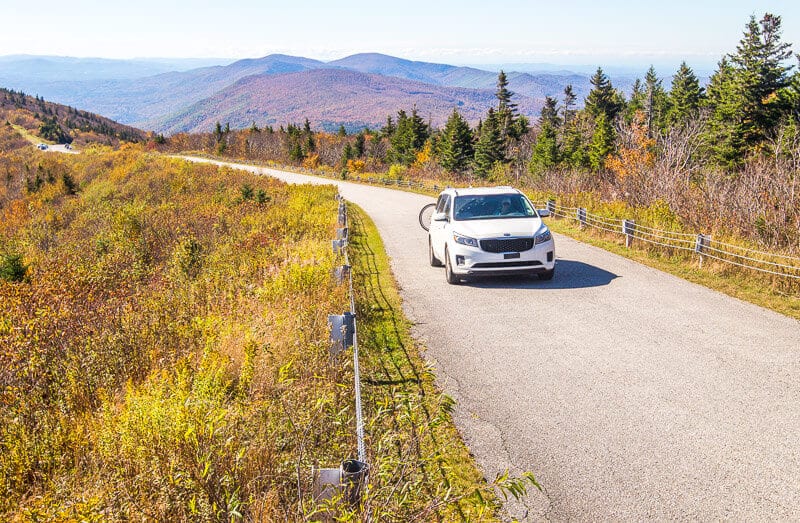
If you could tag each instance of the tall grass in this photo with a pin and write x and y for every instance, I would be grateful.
(164, 355)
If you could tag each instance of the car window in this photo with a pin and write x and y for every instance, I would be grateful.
(492, 206)
(440, 203)
(447, 205)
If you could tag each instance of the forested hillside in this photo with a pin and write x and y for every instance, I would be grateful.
(62, 124)
(722, 158)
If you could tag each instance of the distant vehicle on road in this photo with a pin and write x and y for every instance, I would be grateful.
(67, 146)
(42, 146)
(488, 231)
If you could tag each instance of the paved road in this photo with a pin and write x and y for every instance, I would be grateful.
(630, 393)
(60, 148)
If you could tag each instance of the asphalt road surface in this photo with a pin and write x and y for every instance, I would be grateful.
(631, 394)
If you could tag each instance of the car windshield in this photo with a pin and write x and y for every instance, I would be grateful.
(492, 206)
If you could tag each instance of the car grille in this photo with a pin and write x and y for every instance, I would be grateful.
(504, 265)
(507, 245)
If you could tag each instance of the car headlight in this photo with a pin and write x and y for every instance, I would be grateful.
(465, 240)
(542, 237)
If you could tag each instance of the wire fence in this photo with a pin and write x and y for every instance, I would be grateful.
(703, 245)
(350, 479)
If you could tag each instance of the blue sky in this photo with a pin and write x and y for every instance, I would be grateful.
(607, 33)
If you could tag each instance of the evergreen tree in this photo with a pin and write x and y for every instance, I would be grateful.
(569, 101)
(504, 95)
(296, 152)
(545, 153)
(655, 102)
(490, 148)
(310, 144)
(549, 114)
(360, 144)
(389, 129)
(455, 147)
(408, 138)
(342, 131)
(685, 96)
(602, 99)
(746, 93)
(602, 142)
(637, 101)
(307, 127)
(508, 121)
(761, 74)
(574, 151)
(347, 153)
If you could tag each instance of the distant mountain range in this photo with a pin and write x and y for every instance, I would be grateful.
(356, 91)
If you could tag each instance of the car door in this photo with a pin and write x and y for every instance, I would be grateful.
(437, 228)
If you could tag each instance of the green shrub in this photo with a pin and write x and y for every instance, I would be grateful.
(12, 267)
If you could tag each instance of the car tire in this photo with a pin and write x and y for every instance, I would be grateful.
(435, 262)
(547, 275)
(451, 278)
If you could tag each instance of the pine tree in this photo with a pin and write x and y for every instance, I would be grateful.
(296, 152)
(360, 144)
(569, 101)
(408, 138)
(637, 101)
(490, 148)
(545, 153)
(310, 144)
(389, 129)
(602, 99)
(455, 148)
(602, 142)
(506, 112)
(503, 95)
(655, 102)
(746, 93)
(347, 153)
(761, 74)
(549, 114)
(342, 131)
(685, 96)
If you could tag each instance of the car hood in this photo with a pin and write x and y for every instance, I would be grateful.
(480, 229)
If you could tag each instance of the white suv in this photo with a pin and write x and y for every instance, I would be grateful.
(489, 231)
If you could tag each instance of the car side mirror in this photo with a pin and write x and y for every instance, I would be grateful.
(440, 217)
(543, 213)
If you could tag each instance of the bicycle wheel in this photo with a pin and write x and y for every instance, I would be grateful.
(425, 215)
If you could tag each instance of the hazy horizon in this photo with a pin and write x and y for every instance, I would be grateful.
(582, 33)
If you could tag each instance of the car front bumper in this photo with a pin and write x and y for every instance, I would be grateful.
(473, 261)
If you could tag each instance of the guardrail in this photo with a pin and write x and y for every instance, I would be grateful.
(349, 480)
(701, 244)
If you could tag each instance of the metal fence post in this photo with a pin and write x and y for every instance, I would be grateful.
(342, 330)
(628, 229)
(581, 216)
(702, 242)
(338, 246)
(551, 207)
(341, 273)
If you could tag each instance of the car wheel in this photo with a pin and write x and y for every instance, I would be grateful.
(435, 262)
(547, 275)
(448, 269)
